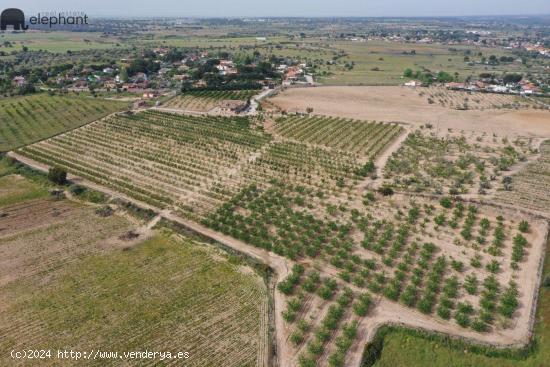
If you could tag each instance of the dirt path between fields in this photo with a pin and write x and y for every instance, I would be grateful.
(381, 160)
(385, 312)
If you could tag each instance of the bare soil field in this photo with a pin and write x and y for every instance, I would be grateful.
(402, 104)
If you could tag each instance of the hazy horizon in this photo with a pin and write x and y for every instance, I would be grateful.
(289, 8)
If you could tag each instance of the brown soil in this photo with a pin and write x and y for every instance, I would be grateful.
(402, 104)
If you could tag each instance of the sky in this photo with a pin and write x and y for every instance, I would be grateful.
(296, 8)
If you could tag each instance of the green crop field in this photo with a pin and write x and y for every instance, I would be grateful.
(58, 41)
(25, 120)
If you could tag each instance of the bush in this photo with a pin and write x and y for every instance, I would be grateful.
(57, 175)
(385, 191)
(462, 319)
(95, 197)
(479, 326)
(523, 226)
(444, 312)
(297, 337)
(304, 361)
(446, 203)
(77, 189)
(366, 169)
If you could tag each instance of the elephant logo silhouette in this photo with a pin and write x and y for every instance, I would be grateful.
(14, 17)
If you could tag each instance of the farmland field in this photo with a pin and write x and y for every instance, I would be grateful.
(403, 349)
(461, 100)
(455, 163)
(530, 187)
(243, 191)
(195, 164)
(24, 120)
(368, 138)
(380, 104)
(71, 280)
(206, 100)
(291, 187)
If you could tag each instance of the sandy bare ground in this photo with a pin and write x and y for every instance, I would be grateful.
(385, 312)
(402, 104)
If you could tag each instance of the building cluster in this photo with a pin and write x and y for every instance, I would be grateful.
(164, 72)
(523, 87)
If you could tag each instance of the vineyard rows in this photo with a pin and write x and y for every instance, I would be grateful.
(190, 163)
(24, 120)
(364, 138)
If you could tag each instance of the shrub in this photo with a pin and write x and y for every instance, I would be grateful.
(444, 312)
(297, 337)
(479, 326)
(315, 348)
(462, 319)
(57, 175)
(523, 226)
(304, 361)
(508, 301)
(470, 284)
(366, 169)
(493, 266)
(77, 189)
(385, 191)
(95, 197)
(336, 359)
(446, 202)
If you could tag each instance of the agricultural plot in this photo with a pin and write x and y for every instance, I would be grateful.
(446, 265)
(455, 163)
(70, 280)
(192, 164)
(25, 120)
(161, 159)
(461, 264)
(530, 187)
(203, 101)
(461, 100)
(364, 138)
